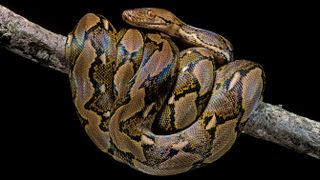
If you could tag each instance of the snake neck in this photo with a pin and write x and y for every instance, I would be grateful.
(204, 38)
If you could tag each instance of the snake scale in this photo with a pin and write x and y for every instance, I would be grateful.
(145, 103)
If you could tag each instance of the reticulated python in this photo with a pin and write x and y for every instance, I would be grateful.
(152, 107)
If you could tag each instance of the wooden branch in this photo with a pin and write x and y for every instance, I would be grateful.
(273, 123)
(268, 122)
(31, 41)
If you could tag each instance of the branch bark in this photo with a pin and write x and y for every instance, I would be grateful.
(268, 122)
(31, 41)
(273, 123)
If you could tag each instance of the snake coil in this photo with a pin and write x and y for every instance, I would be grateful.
(127, 84)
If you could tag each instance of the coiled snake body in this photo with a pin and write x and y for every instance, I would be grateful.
(152, 107)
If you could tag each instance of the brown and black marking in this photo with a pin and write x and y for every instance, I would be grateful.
(123, 84)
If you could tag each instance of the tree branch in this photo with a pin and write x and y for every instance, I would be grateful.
(273, 123)
(31, 41)
(267, 122)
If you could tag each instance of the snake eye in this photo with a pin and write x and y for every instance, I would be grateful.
(150, 14)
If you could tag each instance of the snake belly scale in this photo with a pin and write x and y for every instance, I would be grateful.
(145, 103)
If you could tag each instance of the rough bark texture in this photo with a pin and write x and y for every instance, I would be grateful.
(273, 123)
(268, 122)
(31, 41)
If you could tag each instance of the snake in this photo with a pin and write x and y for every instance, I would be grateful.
(149, 105)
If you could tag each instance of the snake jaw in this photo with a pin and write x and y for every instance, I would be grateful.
(151, 18)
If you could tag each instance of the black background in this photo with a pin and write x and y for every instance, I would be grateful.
(42, 137)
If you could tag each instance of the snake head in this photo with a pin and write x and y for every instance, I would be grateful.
(152, 18)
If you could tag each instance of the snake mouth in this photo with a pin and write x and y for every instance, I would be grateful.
(131, 17)
(141, 19)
